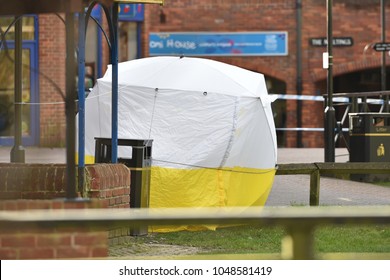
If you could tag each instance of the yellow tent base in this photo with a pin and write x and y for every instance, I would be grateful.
(208, 187)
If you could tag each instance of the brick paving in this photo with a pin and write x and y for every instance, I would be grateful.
(136, 250)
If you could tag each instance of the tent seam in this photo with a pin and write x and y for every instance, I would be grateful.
(270, 130)
(154, 109)
(233, 130)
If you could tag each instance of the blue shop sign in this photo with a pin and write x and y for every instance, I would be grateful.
(131, 12)
(96, 12)
(219, 44)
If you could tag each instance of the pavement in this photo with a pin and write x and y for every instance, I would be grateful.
(288, 190)
(294, 189)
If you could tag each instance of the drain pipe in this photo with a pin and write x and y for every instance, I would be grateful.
(299, 86)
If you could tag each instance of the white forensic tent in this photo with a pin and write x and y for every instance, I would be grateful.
(214, 140)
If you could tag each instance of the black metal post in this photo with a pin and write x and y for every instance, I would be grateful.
(114, 82)
(17, 152)
(81, 107)
(383, 68)
(330, 115)
(70, 108)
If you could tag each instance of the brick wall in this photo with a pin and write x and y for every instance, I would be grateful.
(236, 16)
(108, 182)
(42, 186)
(52, 80)
(40, 243)
(351, 18)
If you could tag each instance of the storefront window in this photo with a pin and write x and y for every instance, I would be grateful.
(7, 76)
(275, 86)
(7, 89)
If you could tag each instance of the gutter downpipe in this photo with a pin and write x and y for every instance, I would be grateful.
(299, 86)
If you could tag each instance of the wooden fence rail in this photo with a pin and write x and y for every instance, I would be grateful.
(316, 170)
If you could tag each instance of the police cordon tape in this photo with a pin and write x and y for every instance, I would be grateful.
(320, 129)
(302, 97)
(315, 98)
(321, 98)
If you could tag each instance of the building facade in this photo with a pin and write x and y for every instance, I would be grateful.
(283, 39)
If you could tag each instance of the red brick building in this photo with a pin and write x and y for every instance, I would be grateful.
(356, 26)
(357, 22)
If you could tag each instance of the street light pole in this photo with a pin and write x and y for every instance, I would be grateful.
(329, 113)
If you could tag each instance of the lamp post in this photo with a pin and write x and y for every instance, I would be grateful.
(329, 113)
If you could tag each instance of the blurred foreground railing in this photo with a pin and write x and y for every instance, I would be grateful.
(316, 170)
(299, 222)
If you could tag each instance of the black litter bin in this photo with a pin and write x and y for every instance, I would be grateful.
(369, 141)
(139, 164)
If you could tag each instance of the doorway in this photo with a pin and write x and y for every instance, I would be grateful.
(276, 86)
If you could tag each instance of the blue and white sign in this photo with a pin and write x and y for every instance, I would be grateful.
(126, 12)
(131, 12)
(219, 44)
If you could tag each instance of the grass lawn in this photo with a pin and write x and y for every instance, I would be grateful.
(348, 239)
(383, 184)
(230, 240)
(254, 239)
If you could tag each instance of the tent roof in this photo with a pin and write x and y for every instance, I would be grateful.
(167, 72)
